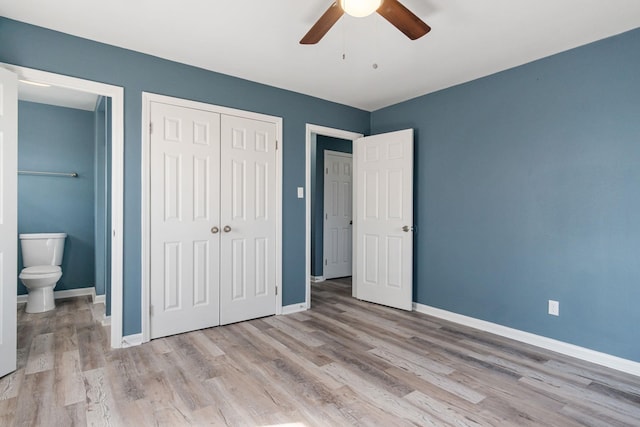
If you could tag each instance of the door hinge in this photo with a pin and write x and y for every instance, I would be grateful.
(150, 310)
(150, 128)
(327, 172)
(276, 290)
(276, 144)
(325, 262)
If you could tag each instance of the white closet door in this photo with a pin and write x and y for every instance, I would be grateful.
(384, 222)
(248, 219)
(8, 219)
(185, 236)
(338, 202)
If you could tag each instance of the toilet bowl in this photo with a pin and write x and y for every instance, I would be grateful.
(42, 256)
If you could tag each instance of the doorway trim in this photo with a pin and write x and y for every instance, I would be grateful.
(147, 99)
(116, 93)
(311, 131)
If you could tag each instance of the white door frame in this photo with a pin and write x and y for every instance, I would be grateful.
(147, 99)
(116, 94)
(324, 219)
(8, 220)
(312, 130)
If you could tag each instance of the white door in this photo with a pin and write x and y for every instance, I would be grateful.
(248, 219)
(8, 219)
(384, 218)
(185, 235)
(337, 214)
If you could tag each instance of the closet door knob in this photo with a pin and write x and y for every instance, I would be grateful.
(227, 229)
(214, 230)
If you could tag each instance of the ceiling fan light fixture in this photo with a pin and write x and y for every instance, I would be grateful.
(360, 8)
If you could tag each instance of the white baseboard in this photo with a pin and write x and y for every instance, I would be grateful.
(604, 359)
(131, 340)
(99, 299)
(67, 293)
(317, 279)
(294, 308)
(106, 321)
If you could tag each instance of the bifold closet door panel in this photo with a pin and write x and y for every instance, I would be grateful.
(248, 219)
(184, 215)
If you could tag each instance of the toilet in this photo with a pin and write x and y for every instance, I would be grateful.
(42, 257)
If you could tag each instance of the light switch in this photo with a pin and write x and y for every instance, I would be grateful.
(300, 192)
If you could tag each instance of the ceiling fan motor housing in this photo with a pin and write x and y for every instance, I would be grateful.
(360, 8)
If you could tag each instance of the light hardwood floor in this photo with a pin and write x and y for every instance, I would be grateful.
(343, 362)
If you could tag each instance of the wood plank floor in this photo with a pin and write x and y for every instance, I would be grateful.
(344, 362)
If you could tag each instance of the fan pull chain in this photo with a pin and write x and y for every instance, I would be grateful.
(344, 40)
(376, 43)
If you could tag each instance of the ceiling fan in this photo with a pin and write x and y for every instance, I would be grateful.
(391, 10)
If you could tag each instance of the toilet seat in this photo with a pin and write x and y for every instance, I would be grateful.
(40, 271)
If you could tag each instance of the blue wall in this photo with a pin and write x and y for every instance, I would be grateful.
(102, 117)
(527, 188)
(39, 48)
(322, 144)
(58, 139)
(100, 197)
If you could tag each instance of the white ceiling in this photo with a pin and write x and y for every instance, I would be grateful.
(62, 97)
(258, 39)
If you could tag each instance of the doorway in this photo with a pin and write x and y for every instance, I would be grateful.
(382, 216)
(335, 203)
(63, 183)
(113, 241)
(336, 138)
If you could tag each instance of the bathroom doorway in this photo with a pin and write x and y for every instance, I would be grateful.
(64, 145)
(99, 169)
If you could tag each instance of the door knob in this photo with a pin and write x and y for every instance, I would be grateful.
(227, 229)
(214, 230)
(407, 229)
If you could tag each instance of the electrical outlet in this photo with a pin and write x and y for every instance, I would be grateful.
(554, 308)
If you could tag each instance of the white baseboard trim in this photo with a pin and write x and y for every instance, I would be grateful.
(294, 308)
(317, 279)
(99, 299)
(70, 293)
(106, 321)
(132, 340)
(67, 293)
(604, 359)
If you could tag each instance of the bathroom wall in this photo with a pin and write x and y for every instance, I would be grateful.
(100, 197)
(322, 144)
(58, 139)
(103, 200)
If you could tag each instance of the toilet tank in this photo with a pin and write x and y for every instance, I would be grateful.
(42, 248)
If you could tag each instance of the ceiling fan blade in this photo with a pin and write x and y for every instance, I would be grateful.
(323, 25)
(403, 19)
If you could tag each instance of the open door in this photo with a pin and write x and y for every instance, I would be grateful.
(384, 219)
(8, 218)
